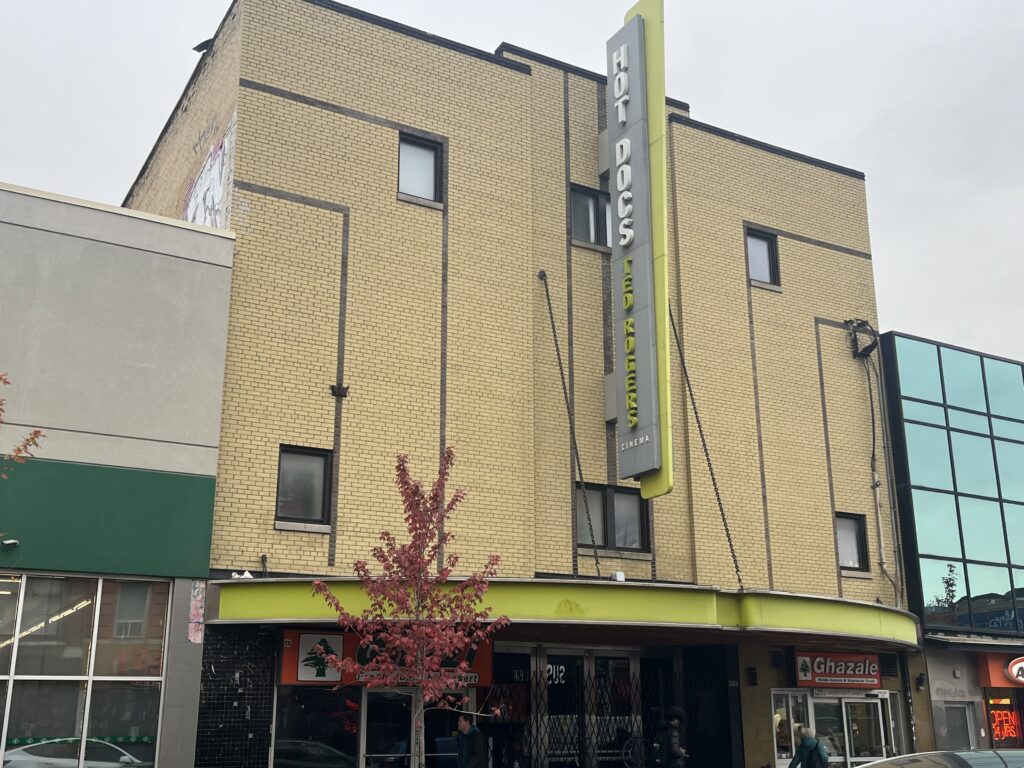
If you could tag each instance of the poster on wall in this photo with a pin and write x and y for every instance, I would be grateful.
(837, 670)
(209, 198)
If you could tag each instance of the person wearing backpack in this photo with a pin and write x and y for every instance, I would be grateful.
(810, 753)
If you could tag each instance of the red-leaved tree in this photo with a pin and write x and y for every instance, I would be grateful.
(420, 622)
(23, 450)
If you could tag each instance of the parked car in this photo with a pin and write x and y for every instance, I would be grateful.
(975, 758)
(298, 753)
(63, 753)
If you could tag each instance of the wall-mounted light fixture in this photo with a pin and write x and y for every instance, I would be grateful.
(921, 680)
(751, 675)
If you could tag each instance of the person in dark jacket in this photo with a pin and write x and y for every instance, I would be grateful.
(668, 744)
(472, 749)
(802, 758)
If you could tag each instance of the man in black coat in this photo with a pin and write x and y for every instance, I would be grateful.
(472, 749)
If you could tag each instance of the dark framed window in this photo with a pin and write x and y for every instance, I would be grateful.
(303, 484)
(591, 216)
(762, 257)
(618, 516)
(852, 542)
(419, 167)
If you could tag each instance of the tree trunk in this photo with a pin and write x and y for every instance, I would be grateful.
(418, 726)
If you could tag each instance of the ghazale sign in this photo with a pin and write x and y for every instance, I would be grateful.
(837, 670)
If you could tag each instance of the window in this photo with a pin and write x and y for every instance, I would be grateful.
(852, 540)
(762, 257)
(419, 168)
(82, 660)
(302, 484)
(617, 515)
(591, 216)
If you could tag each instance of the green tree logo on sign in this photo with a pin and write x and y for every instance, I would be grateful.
(316, 660)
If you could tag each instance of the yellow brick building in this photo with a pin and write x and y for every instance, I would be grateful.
(367, 320)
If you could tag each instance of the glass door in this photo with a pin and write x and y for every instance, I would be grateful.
(828, 724)
(388, 729)
(865, 731)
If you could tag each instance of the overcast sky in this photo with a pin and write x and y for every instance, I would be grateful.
(925, 96)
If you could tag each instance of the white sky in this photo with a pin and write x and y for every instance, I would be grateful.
(925, 96)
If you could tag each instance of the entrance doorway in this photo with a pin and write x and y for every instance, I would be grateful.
(854, 729)
(387, 730)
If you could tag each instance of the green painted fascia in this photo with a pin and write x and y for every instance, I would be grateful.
(99, 519)
(591, 602)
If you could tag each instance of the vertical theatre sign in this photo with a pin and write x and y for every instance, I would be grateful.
(636, 134)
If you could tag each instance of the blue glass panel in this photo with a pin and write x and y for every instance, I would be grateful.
(973, 422)
(1011, 429)
(1013, 514)
(961, 373)
(915, 411)
(928, 455)
(1005, 388)
(919, 369)
(975, 468)
(991, 599)
(982, 524)
(944, 593)
(935, 521)
(1011, 469)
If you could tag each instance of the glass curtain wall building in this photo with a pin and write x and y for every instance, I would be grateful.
(959, 434)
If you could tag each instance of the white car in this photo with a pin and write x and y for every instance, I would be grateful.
(63, 753)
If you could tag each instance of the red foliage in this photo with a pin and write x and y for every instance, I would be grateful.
(418, 617)
(23, 450)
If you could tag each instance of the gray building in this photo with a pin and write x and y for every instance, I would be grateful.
(114, 329)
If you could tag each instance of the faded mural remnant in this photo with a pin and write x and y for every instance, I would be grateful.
(197, 611)
(209, 199)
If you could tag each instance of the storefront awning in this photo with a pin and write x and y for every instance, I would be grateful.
(588, 603)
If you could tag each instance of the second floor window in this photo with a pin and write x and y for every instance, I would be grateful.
(302, 485)
(618, 517)
(852, 540)
(762, 257)
(591, 216)
(419, 168)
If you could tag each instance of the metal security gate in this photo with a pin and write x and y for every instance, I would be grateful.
(570, 717)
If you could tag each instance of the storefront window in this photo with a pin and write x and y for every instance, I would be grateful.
(317, 725)
(1003, 719)
(10, 586)
(57, 656)
(56, 626)
(45, 711)
(789, 715)
(125, 715)
(131, 631)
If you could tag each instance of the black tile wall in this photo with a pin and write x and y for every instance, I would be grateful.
(236, 699)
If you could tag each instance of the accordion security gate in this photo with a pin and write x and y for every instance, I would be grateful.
(566, 719)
